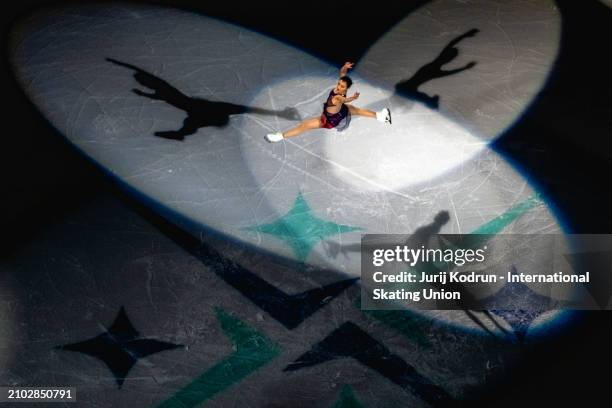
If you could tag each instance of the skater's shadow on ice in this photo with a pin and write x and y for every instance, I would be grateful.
(421, 236)
(434, 70)
(200, 112)
(407, 91)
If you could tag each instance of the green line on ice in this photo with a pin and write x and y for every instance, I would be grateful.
(253, 350)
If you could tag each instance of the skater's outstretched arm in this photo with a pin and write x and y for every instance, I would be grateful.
(339, 99)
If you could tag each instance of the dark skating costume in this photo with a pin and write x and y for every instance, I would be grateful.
(340, 120)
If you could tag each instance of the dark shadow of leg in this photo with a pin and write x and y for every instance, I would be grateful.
(189, 128)
(287, 113)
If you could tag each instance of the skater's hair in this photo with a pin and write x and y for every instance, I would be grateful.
(348, 81)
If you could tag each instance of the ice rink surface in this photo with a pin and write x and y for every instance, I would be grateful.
(371, 178)
(244, 292)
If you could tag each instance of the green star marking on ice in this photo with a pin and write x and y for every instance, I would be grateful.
(347, 399)
(486, 231)
(253, 350)
(497, 224)
(301, 229)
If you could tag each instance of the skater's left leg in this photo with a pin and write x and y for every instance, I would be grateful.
(382, 116)
(360, 111)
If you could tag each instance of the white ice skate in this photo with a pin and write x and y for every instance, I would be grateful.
(274, 137)
(384, 116)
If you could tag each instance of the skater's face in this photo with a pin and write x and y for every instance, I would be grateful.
(341, 87)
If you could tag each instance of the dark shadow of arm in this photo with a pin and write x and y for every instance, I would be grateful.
(433, 70)
(469, 33)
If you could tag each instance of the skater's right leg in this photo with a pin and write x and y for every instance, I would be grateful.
(304, 126)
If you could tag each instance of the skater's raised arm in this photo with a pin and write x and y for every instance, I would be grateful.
(345, 68)
(469, 33)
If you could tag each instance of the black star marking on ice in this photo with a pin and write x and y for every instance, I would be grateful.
(521, 306)
(519, 320)
(289, 310)
(349, 340)
(119, 347)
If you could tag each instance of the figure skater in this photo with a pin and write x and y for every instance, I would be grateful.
(336, 111)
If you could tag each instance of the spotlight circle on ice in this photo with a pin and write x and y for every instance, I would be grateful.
(175, 106)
